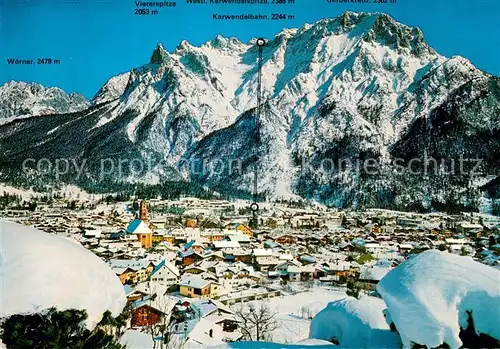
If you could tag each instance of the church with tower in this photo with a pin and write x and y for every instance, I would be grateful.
(143, 211)
(140, 226)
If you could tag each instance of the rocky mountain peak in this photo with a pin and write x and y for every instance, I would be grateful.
(22, 98)
(183, 47)
(387, 31)
(160, 55)
(350, 87)
(348, 19)
(222, 42)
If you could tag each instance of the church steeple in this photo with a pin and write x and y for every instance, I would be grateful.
(143, 211)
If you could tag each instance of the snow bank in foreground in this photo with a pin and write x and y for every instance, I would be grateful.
(428, 298)
(355, 324)
(314, 342)
(269, 345)
(137, 340)
(39, 271)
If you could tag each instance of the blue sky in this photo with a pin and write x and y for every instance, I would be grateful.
(96, 39)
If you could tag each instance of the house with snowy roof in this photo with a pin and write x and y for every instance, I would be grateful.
(238, 228)
(405, 247)
(213, 255)
(152, 310)
(198, 247)
(163, 235)
(265, 259)
(134, 294)
(165, 273)
(225, 244)
(466, 227)
(212, 235)
(189, 257)
(206, 307)
(142, 231)
(214, 324)
(284, 238)
(132, 270)
(201, 333)
(243, 240)
(373, 247)
(125, 274)
(194, 286)
(284, 265)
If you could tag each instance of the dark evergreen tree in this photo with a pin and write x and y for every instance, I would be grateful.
(353, 287)
(54, 329)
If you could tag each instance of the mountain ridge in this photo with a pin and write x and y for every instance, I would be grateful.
(355, 86)
(19, 98)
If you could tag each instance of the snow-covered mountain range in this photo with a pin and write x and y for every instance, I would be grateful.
(27, 99)
(356, 87)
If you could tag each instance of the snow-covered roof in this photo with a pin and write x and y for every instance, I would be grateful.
(467, 225)
(294, 269)
(161, 302)
(194, 281)
(138, 227)
(130, 263)
(286, 257)
(205, 307)
(39, 271)
(240, 238)
(259, 252)
(166, 264)
(456, 241)
(226, 244)
(205, 333)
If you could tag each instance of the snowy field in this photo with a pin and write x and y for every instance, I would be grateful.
(292, 321)
(70, 192)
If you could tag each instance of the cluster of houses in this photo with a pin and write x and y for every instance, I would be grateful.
(186, 271)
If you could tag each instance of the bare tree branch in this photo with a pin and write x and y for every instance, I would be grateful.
(257, 323)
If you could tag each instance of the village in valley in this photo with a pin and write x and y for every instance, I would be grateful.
(196, 272)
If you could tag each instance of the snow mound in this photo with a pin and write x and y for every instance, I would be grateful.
(354, 323)
(133, 339)
(312, 344)
(39, 271)
(428, 298)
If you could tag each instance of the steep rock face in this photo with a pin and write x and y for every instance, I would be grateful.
(465, 123)
(341, 91)
(177, 99)
(21, 98)
(332, 90)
